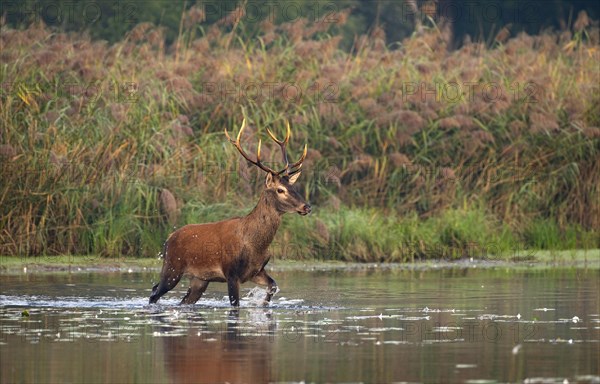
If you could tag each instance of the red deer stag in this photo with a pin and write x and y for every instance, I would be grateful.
(234, 250)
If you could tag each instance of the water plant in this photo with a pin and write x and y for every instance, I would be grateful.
(105, 148)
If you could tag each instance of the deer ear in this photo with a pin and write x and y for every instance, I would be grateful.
(269, 180)
(292, 179)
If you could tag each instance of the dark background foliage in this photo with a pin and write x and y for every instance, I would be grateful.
(480, 20)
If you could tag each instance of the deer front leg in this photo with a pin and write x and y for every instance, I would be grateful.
(262, 278)
(233, 289)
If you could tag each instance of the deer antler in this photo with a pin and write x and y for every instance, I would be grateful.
(243, 153)
(282, 144)
(295, 168)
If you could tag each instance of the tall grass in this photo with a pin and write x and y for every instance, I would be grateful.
(367, 234)
(105, 149)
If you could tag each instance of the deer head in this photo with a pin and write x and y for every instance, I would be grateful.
(279, 185)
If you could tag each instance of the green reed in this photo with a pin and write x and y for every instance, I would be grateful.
(106, 149)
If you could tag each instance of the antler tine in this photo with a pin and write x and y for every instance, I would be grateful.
(287, 135)
(298, 164)
(237, 144)
(295, 168)
(282, 145)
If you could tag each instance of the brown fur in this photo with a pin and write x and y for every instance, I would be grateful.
(232, 251)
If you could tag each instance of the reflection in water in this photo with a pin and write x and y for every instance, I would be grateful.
(234, 351)
(455, 325)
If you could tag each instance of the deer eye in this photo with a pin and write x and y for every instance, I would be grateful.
(280, 190)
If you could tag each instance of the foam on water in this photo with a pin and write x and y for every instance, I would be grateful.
(255, 298)
(72, 302)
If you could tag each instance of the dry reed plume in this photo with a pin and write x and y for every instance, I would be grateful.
(104, 148)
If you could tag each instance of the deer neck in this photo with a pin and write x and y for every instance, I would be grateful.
(260, 226)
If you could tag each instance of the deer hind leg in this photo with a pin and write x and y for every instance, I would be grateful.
(194, 293)
(262, 278)
(233, 289)
(167, 282)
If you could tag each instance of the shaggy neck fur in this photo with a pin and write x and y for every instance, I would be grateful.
(260, 226)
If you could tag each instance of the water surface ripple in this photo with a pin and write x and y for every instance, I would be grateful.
(466, 325)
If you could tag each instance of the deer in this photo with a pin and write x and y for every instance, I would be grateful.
(235, 250)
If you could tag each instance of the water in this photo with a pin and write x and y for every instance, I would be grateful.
(460, 324)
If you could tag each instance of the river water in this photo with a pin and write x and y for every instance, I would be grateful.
(457, 324)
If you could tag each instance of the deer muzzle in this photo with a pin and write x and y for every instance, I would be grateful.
(305, 210)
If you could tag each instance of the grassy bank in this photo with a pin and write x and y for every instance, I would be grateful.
(522, 259)
(415, 152)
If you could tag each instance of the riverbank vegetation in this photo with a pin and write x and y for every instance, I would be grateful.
(415, 151)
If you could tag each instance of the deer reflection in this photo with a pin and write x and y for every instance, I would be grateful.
(234, 351)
